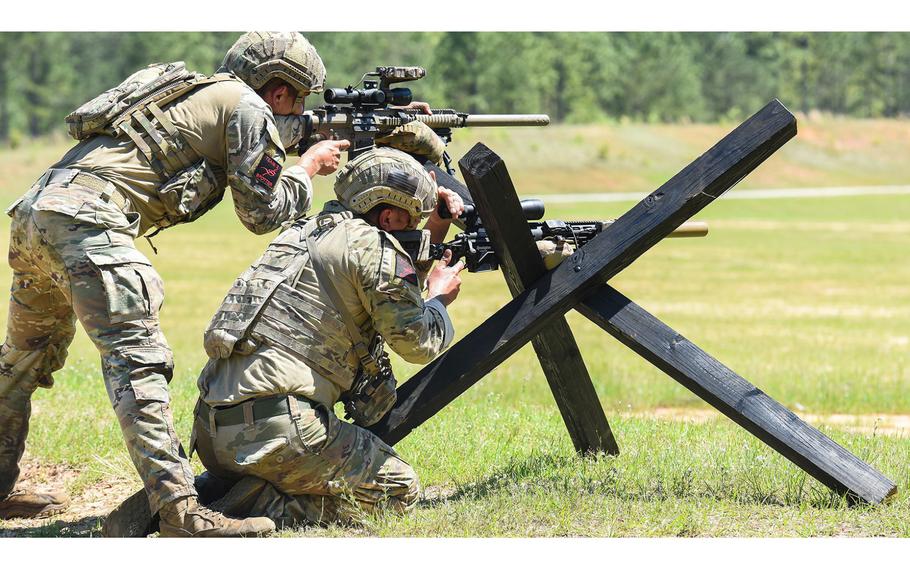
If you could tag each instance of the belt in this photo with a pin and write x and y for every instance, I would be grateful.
(252, 410)
(65, 177)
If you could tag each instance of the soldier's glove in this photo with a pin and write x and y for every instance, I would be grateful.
(553, 252)
(415, 138)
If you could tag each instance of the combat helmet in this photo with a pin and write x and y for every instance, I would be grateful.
(257, 57)
(389, 176)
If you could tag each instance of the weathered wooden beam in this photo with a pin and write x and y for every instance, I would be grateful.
(449, 182)
(744, 403)
(498, 205)
(507, 330)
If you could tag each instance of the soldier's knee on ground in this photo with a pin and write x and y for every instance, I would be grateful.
(409, 498)
(400, 485)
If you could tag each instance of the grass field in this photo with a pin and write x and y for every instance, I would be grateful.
(806, 298)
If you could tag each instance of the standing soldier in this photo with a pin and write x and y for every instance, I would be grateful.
(306, 326)
(155, 151)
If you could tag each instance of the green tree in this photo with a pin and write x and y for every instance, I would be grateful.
(659, 77)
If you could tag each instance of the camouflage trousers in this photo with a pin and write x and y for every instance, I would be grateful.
(313, 468)
(73, 256)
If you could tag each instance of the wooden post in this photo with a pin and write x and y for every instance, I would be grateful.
(447, 181)
(493, 193)
(818, 455)
(507, 330)
(498, 206)
(575, 284)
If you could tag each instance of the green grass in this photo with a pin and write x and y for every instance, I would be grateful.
(805, 298)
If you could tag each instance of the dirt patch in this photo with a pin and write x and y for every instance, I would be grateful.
(87, 507)
(879, 424)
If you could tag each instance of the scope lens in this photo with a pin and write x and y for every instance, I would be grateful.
(533, 209)
(400, 96)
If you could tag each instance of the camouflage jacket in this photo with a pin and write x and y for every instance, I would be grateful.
(234, 134)
(278, 332)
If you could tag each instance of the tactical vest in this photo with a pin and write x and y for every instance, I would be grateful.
(264, 304)
(134, 109)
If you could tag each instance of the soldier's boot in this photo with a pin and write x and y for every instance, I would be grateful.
(21, 505)
(186, 517)
(133, 518)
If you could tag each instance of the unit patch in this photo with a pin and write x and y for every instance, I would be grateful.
(268, 171)
(404, 269)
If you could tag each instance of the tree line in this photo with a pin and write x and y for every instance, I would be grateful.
(573, 77)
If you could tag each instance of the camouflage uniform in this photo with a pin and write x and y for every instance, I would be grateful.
(72, 255)
(282, 357)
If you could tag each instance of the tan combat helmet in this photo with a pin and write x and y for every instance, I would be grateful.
(257, 57)
(388, 176)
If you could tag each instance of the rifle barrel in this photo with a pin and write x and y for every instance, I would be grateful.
(507, 120)
(441, 118)
(447, 118)
(687, 229)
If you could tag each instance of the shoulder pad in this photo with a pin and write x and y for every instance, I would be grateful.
(226, 77)
(292, 235)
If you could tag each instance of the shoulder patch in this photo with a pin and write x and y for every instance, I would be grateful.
(404, 268)
(268, 171)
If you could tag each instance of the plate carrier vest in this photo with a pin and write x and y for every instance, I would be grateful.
(134, 109)
(264, 304)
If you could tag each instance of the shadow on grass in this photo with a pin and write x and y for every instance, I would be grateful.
(84, 527)
(534, 468)
(601, 475)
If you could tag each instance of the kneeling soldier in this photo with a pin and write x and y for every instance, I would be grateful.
(158, 150)
(305, 327)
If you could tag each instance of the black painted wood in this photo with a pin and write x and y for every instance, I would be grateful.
(616, 247)
(820, 456)
(497, 203)
(449, 182)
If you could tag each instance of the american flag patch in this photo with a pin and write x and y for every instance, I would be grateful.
(404, 269)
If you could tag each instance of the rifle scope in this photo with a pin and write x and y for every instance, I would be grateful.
(400, 96)
(532, 209)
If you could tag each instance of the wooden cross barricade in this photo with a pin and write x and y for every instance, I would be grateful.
(541, 298)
